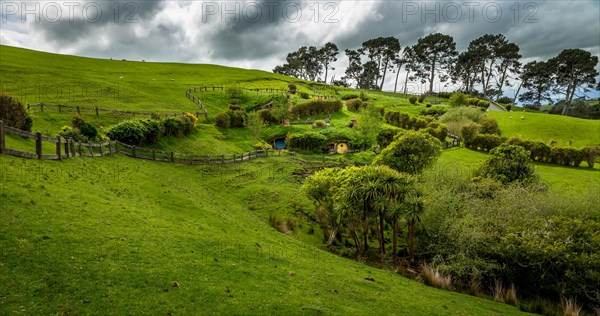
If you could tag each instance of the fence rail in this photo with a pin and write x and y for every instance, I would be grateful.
(65, 147)
(97, 110)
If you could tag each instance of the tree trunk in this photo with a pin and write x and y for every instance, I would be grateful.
(326, 69)
(381, 235)
(396, 83)
(432, 76)
(406, 81)
(383, 78)
(568, 97)
(517, 94)
(411, 241)
(395, 237)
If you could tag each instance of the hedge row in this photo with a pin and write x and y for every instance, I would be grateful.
(306, 141)
(316, 107)
(406, 121)
(148, 131)
(233, 117)
(566, 156)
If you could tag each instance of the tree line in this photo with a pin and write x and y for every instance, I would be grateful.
(490, 63)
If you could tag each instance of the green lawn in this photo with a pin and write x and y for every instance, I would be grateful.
(548, 127)
(123, 236)
(560, 179)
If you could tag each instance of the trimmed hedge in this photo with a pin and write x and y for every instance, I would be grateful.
(316, 107)
(406, 121)
(306, 141)
(566, 156)
(355, 105)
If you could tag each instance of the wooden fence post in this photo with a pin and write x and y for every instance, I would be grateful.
(109, 148)
(223, 159)
(100, 146)
(153, 154)
(208, 157)
(172, 157)
(91, 149)
(2, 141)
(41, 107)
(66, 147)
(38, 145)
(78, 110)
(97, 112)
(71, 143)
(133, 151)
(59, 108)
(58, 147)
(79, 149)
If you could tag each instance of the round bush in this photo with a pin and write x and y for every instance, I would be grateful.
(14, 114)
(88, 130)
(412, 99)
(222, 120)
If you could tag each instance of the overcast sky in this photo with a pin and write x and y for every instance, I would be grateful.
(258, 34)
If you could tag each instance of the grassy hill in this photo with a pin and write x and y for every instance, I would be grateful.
(117, 235)
(547, 127)
(122, 236)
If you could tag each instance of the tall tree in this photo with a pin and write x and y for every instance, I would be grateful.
(382, 51)
(497, 59)
(409, 58)
(574, 69)
(434, 55)
(509, 64)
(355, 67)
(327, 55)
(537, 79)
(465, 71)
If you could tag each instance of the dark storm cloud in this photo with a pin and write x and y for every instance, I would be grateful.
(232, 32)
(89, 16)
(253, 29)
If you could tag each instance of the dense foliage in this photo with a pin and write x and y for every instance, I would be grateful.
(410, 152)
(14, 114)
(316, 107)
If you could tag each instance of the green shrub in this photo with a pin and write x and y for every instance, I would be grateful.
(462, 114)
(468, 133)
(350, 97)
(236, 118)
(590, 154)
(14, 114)
(422, 98)
(77, 121)
(88, 130)
(445, 94)
(292, 87)
(472, 101)
(489, 125)
(222, 120)
(319, 124)
(486, 142)
(69, 132)
(354, 105)
(172, 126)
(306, 141)
(262, 146)
(130, 132)
(483, 104)
(152, 130)
(412, 99)
(505, 100)
(410, 152)
(457, 99)
(267, 116)
(316, 107)
(386, 136)
(508, 163)
(435, 111)
(304, 95)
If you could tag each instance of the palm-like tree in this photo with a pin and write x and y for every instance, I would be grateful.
(414, 206)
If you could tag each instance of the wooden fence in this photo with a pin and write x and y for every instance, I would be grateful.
(65, 148)
(79, 109)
